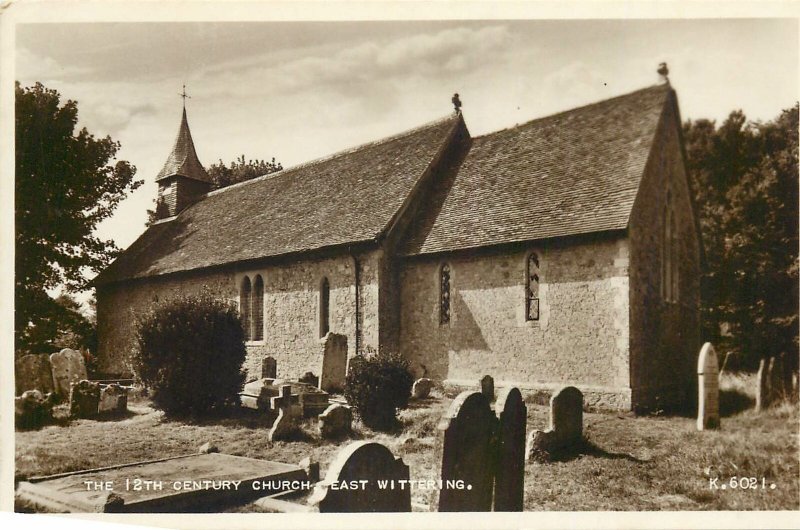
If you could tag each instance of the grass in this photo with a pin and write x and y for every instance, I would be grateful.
(626, 463)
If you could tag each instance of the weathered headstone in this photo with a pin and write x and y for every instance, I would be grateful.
(33, 372)
(465, 438)
(113, 399)
(284, 425)
(32, 409)
(84, 399)
(372, 464)
(311, 467)
(334, 362)
(269, 368)
(68, 367)
(422, 388)
(707, 389)
(762, 388)
(487, 387)
(336, 421)
(509, 482)
(566, 426)
(208, 448)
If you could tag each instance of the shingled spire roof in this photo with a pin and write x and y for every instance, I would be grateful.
(182, 159)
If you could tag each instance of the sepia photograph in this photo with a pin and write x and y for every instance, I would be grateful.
(303, 262)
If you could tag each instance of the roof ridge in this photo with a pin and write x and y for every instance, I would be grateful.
(573, 110)
(337, 154)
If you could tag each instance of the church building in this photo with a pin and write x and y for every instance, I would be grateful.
(561, 251)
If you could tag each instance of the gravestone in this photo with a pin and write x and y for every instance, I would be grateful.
(84, 399)
(762, 388)
(33, 408)
(113, 399)
(422, 388)
(269, 368)
(68, 368)
(311, 467)
(707, 389)
(487, 387)
(465, 445)
(284, 425)
(33, 372)
(565, 431)
(372, 463)
(336, 421)
(509, 481)
(776, 387)
(334, 362)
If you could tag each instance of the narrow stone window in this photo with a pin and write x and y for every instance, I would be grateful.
(324, 307)
(532, 288)
(444, 295)
(258, 309)
(244, 306)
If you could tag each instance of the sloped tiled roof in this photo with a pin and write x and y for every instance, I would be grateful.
(570, 173)
(182, 160)
(347, 198)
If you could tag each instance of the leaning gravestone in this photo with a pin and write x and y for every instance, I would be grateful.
(84, 399)
(336, 421)
(762, 389)
(113, 400)
(269, 368)
(465, 443)
(487, 387)
(68, 368)
(380, 488)
(707, 389)
(334, 362)
(509, 481)
(566, 426)
(422, 388)
(33, 372)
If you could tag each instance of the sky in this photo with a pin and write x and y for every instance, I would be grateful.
(298, 91)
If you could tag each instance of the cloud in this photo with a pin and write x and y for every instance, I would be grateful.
(32, 67)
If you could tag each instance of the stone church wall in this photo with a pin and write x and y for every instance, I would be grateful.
(665, 335)
(291, 310)
(581, 338)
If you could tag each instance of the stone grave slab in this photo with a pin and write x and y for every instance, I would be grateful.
(334, 362)
(707, 388)
(33, 372)
(68, 367)
(179, 484)
(258, 394)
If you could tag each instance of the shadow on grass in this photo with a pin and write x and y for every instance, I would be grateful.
(231, 417)
(733, 401)
(584, 447)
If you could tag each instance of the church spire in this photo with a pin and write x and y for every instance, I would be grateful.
(182, 160)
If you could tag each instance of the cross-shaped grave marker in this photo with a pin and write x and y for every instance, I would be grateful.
(284, 423)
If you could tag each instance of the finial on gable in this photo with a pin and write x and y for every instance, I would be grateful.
(456, 103)
(663, 71)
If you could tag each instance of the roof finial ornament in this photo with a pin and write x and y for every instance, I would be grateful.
(456, 103)
(184, 95)
(663, 71)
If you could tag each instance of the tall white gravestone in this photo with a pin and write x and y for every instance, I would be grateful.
(707, 389)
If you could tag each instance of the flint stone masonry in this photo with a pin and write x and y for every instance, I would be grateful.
(565, 431)
(335, 421)
(68, 368)
(334, 362)
(33, 372)
(422, 388)
(708, 389)
(113, 400)
(84, 399)
(363, 461)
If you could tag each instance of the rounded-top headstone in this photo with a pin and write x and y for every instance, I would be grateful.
(707, 388)
(422, 388)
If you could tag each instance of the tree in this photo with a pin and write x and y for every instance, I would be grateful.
(744, 177)
(66, 184)
(240, 171)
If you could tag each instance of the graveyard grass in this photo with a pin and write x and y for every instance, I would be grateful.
(628, 462)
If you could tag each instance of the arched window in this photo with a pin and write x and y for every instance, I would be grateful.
(444, 294)
(324, 307)
(258, 309)
(244, 306)
(532, 287)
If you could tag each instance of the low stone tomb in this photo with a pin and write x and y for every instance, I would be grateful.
(422, 388)
(337, 420)
(310, 400)
(179, 484)
(364, 477)
(113, 399)
(33, 372)
(84, 399)
(68, 367)
(487, 387)
(707, 389)
(566, 426)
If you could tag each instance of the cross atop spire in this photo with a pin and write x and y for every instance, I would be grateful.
(184, 95)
